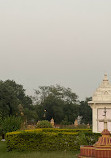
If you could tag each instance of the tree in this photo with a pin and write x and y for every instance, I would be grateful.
(85, 111)
(71, 112)
(63, 93)
(8, 100)
(10, 124)
(11, 96)
(58, 102)
(30, 114)
(19, 92)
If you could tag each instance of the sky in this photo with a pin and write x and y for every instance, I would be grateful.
(48, 42)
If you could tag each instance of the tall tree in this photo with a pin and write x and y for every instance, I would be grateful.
(85, 111)
(8, 100)
(55, 101)
(12, 95)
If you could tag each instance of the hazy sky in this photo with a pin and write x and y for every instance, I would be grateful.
(46, 42)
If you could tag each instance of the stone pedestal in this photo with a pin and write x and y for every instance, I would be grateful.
(76, 123)
(52, 122)
(101, 149)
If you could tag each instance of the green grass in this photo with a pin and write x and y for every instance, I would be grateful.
(13, 154)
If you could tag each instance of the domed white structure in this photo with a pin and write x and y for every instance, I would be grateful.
(101, 98)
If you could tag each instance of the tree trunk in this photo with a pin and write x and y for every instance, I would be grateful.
(3, 136)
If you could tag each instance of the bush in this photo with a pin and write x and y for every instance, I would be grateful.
(49, 140)
(10, 124)
(44, 124)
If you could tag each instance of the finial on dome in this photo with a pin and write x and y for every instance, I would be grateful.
(105, 77)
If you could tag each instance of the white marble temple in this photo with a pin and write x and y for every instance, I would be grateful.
(101, 98)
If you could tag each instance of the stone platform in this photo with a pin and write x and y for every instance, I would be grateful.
(92, 152)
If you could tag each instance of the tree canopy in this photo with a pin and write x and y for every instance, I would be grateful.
(85, 111)
(49, 102)
(13, 99)
(57, 102)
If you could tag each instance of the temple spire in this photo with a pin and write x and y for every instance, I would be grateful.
(105, 83)
(105, 77)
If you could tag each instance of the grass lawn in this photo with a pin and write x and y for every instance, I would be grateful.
(14, 154)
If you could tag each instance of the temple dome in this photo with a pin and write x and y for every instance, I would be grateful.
(103, 92)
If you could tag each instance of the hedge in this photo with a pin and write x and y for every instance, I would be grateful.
(65, 130)
(49, 140)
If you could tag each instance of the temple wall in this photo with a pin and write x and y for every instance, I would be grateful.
(97, 113)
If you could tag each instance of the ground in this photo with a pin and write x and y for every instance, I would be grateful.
(5, 154)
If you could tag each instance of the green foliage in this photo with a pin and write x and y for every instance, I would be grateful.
(35, 154)
(10, 124)
(56, 130)
(65, 122)
(8, 100)
(1, 131)
(85, 111)
(59, 103)
(50, 139)
(82, 138)
(92, 137)
(30, 114)
(55, 102)
(11, 96)
(39, 111)
(44, 124)
(71, 111)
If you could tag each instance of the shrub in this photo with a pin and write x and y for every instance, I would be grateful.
(44, 124)
(41, 141)
(10, 124)
(49, 139)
